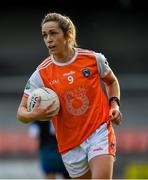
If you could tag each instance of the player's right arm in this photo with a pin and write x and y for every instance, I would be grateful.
(37, 113)
(22, 114)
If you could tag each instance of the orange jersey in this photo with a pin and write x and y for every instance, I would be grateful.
(84, 106)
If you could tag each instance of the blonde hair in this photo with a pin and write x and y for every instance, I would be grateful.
(65, 24)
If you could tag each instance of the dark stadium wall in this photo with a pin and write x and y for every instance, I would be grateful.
(116, 31)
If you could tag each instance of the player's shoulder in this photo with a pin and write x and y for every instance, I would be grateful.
(45, 63)
(101, 56)
(86, 52)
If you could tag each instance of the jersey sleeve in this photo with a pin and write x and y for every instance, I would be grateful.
(34, 82)
(103, 65)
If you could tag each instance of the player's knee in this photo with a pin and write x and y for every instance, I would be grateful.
(105, 174)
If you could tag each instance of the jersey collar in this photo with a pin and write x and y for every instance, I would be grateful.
(67, 62)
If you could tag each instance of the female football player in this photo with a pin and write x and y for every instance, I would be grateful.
(84, 132)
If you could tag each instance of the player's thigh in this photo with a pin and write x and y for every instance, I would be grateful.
(101, 166)
(76, 163)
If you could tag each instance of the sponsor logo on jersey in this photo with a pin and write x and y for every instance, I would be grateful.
(98, 149)
(86, 72)
(27, 85)
(54, 81)
(69, 73)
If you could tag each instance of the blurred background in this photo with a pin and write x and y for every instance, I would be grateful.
(116, 28)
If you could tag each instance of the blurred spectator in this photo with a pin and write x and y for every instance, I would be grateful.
(50, 160)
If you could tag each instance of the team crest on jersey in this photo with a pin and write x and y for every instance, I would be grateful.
(86, 72)
(77, 102)
(27, 85)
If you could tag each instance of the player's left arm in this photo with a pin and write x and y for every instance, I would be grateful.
(113, 92)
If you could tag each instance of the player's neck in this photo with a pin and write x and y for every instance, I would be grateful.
(65, 56)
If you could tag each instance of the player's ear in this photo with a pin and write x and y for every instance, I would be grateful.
(69, 37)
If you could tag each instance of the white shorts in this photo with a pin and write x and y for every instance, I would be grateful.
(101, 142)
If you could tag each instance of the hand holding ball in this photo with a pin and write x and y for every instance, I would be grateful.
(47, 95)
